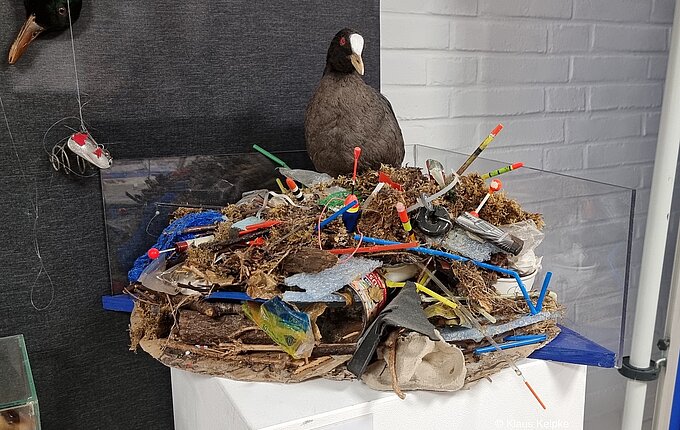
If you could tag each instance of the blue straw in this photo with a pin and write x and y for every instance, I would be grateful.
(508, 345)
(341, 211)
(544, 289)
(542, 337)
(442, 254)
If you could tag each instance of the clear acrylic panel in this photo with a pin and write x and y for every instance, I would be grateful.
(587, 235)
(18, 400)
(587, 242)
(139, 196)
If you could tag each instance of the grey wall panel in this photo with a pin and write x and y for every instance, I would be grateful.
(160, 78)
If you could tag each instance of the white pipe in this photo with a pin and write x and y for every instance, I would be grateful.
(665, 389)
(655, 233)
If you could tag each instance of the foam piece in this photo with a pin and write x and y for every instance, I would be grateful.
(451, 334)
(320, 285)
(459, 242)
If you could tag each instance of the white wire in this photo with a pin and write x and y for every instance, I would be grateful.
(36, 211)
(75, 66)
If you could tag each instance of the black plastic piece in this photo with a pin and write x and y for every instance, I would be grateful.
(663, 344)
(650, 373)
(433, 222)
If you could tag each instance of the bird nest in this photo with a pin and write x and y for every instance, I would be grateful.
(190, 332)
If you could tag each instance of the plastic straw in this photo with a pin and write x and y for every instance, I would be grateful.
(532, 309)
(271, 156)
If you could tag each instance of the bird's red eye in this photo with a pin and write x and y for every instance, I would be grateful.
(343, 41)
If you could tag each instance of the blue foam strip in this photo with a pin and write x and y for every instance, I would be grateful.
(571, 347)
(118, 303)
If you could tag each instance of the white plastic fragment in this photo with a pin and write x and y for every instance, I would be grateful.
(320, 285)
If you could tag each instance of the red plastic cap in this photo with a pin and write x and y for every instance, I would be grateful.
(474, 214)
(291, 184)
(401, 210)
(357, 152)
(517, 165)
(497, 130)
(153, 253)
(351, 198)
(495, 185)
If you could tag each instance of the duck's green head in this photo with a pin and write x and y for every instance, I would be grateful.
(43, 16)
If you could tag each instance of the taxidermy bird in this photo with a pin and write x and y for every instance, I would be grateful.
(345, 113)
(43, 16)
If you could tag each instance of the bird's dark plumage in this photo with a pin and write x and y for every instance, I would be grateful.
(43, 16)
(344, 113)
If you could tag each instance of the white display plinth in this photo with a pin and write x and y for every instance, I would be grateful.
(210, 403)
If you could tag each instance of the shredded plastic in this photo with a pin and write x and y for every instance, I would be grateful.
(459, 242)
(290, 328)
(319, 285)
(172, 234)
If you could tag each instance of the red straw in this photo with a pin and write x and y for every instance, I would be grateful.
(357, 154)
(376, 248)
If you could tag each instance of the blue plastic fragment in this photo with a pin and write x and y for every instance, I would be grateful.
(571, 347)
(118, 303)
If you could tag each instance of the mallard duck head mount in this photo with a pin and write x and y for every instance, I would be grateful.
(344, 54)
(43, 16)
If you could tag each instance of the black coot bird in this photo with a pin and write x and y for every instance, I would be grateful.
(344, 113)
(43, 16)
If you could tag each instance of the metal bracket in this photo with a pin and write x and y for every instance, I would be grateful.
(639, 374)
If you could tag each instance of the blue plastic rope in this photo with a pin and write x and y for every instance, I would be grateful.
(172, 234)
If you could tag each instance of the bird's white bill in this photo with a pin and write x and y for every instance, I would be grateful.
(356, 42)
(358, 63)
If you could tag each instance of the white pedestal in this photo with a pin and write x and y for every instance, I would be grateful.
(209, 403)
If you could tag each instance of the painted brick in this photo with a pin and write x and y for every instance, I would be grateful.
(628, 177)
(412, 133)
(498, 36)
(602, 128)
(452, 135)
(596, 68)
(522, 69)
(625, 96)
(662, 11)
(620, 153)
(495, 101)
(565, 99)
(563, 158)
(568, 38)
(451, 71)
(403, 68)
(530, 157)
(657, 67)
(651, 124)
(445, 7)
(518, 132)
(646, 172)
(612, 10)
(529, 8)
(450, 7)
(629, 38)
(415, 103)
(410, 32)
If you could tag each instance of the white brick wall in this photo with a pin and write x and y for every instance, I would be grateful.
(577, 83)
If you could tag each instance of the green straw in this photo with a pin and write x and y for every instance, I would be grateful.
(271, 156)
